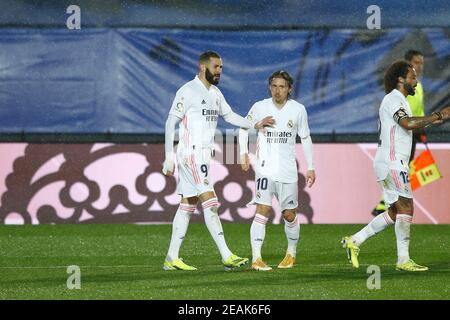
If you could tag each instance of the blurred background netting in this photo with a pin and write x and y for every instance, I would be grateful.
(119, 73)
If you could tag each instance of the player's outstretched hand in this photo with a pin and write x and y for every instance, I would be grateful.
(310, 178)
(168, 168)
(245, 162)
(266, 122)
(445, 113)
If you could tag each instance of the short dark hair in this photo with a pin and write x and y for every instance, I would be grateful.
(395, 70)
(410, 54)
(205, 56)
(283, 75)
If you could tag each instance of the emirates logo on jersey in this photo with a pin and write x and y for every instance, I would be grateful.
(277, 134)
(274, 136)
(211, 115)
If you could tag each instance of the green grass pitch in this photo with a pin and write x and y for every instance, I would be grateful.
(125, 262)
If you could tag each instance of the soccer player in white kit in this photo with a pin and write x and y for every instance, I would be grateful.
(197, 106)
(391, 164)
(276, 167)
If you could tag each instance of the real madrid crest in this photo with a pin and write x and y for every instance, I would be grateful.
(290, 124)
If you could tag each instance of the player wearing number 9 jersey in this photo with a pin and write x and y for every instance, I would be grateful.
(391, 164)
(196, 107)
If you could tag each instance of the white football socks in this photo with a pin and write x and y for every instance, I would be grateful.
(257, 235)
(402, 231)
(292, 230)
(179, 228)
(378, 224)
(214, 226)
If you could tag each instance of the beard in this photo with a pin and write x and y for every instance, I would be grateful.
(210, 77)
(409, 88)
(279, 99)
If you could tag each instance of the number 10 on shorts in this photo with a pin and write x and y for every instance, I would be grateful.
(261, 184)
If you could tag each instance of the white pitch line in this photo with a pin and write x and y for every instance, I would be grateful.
(420, 146)
(416, 202)
(429, 215)
(436, 146)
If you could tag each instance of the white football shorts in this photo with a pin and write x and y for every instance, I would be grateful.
(194, 174)
(266, 188)
(393, 178)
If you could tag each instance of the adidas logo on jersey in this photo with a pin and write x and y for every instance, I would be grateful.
(291, 202)
(203, 102)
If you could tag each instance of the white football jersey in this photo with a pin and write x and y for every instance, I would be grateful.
(199, 108)
(394, 142)
(275, 147)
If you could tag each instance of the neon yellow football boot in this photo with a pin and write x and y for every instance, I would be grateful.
(410, 265)
(234, 261)
(352, 251)
(177, 264)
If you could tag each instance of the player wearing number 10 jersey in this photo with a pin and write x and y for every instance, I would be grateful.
(276, 167)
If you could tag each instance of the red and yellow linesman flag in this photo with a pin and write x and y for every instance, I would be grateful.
(423, 170)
